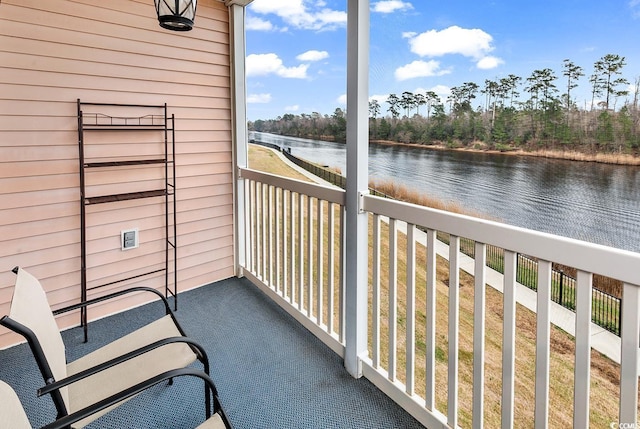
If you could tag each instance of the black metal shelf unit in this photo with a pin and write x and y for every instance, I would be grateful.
(156, 120)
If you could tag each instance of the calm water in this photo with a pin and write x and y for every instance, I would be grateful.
(588, 201)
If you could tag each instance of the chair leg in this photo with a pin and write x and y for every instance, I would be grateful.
(207, 399)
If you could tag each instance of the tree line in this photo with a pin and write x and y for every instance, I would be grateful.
(512, 112)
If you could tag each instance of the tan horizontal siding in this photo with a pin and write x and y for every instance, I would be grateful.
(51, 54)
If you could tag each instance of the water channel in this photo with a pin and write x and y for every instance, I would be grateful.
(594, 202)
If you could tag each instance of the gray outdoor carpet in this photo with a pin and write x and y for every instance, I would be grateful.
(270, 372)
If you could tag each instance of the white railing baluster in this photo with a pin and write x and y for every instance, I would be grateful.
(509, 339)
(430, 340)
(250, 223)
(258, 214)
(331, 267)
(479, 313)
(393, 298)
(300, 251)
(411, 310)
(543, 338)
(292, 246)
(259, 248)
(270, 237)
(255, 224)
(285, 248)
(376, 293)
(454, 327)
(278, 238)
(319, 262)
(263, 230)
(309, 256)
(341, 306)
(582, 372)
(629, 354)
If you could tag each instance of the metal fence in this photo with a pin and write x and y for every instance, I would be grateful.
(606, 308)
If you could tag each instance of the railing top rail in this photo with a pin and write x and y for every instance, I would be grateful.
(607, 261)
(325, 193)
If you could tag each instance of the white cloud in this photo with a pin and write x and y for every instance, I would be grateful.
(442, 90)
(634, 5)
(313, 55)
(293, 108)
(259, 98)
(278, 7)
(380, 98)
(473, 43)
(420, 68)
(265, 64)
(299, 14)
(342, 100)
(390, 6)
(258, 24)
(489, 62)
(331, 18)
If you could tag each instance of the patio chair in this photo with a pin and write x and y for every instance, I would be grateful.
(14, 416)
(152, 350)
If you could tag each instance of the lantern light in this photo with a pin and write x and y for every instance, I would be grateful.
(176, 15)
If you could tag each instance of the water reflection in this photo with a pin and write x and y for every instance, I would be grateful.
(594, 202)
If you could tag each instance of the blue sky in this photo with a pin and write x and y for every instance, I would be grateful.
(296, 49)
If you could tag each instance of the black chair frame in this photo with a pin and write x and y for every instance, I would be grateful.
(53, 386)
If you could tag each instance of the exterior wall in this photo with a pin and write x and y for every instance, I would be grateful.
(54, 52)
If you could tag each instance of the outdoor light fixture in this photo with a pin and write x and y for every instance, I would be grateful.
(176, 15)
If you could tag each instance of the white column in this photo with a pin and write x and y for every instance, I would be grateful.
(357, 178)
(239, 128)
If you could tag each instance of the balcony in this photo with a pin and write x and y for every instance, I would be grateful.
(445, 346)
(270, 372)
(433, 357)
(336, 323)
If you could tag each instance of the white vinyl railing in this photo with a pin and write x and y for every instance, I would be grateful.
(403, 219)
(294, 243)
(294, 252)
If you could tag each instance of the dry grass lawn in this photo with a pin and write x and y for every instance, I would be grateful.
(264, 159)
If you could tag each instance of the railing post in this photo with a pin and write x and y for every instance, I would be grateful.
(239, 131)
(356, 283)
(629, 355)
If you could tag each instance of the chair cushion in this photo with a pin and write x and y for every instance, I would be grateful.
(127, 374)
(13, 415)
(29, 306)
(214, 422)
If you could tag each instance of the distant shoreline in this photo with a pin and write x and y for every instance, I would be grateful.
(604, 158)
(567, 155)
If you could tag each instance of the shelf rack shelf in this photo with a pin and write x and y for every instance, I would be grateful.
(150, 120)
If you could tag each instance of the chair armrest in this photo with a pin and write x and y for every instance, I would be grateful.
(66, 421)
(114, 295)
(125, 357)
(84, 304)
